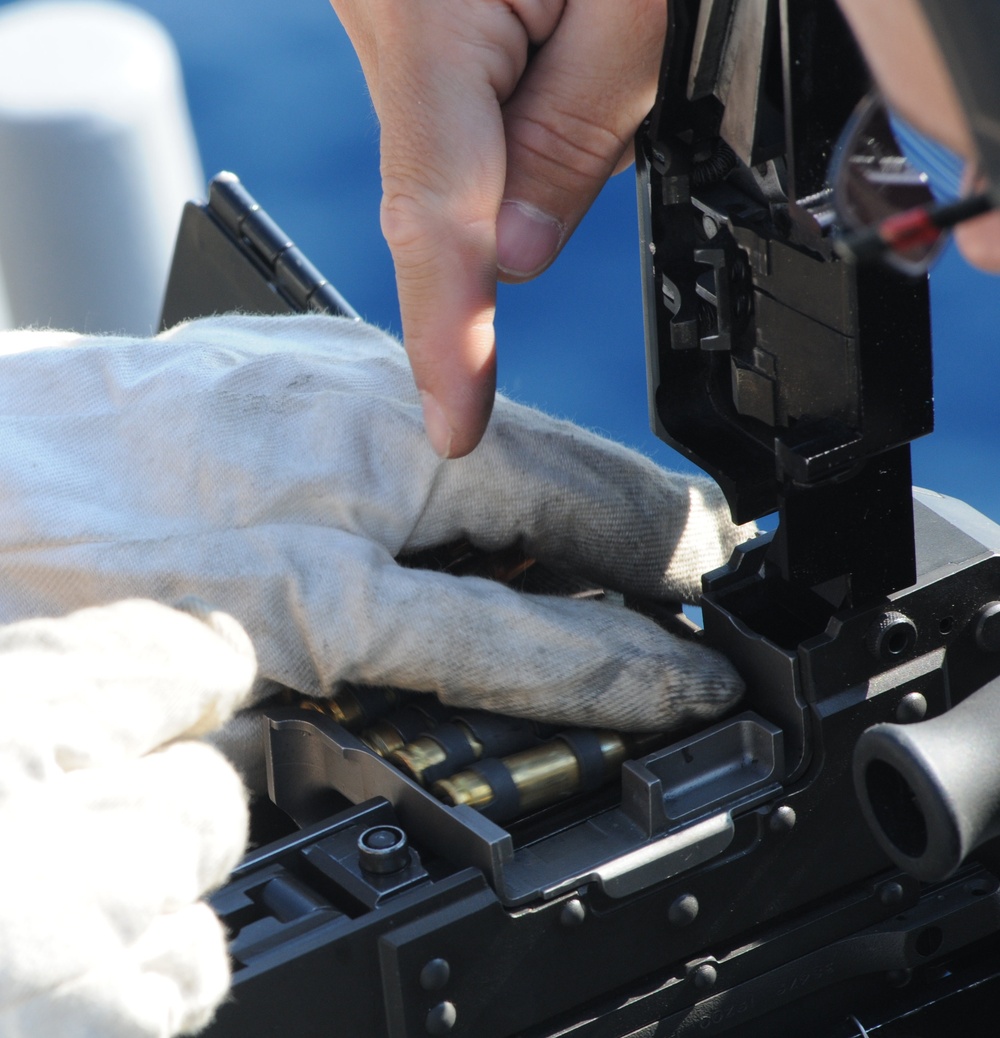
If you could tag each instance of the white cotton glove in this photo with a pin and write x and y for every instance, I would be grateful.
(115, 821)
(275, 467)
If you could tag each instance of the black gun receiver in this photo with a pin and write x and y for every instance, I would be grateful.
(821, 863)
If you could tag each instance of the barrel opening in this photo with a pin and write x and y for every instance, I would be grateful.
(896, 808)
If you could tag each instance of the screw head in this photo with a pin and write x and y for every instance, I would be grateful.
(890, 893)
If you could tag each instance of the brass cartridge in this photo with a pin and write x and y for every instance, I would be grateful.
(355, 706)
(514, 785)
(382, 738)
(425, 755)
(468, 737)
(421, 714)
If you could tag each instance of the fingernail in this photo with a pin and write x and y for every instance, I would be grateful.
(437, 426)
(527, 239)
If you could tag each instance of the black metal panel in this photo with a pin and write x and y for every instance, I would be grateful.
(778, 369)
(231, 256)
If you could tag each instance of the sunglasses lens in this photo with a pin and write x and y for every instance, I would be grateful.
(874, 182)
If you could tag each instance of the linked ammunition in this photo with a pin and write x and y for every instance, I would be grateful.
(573, 762)
(466, 738)
(415, 731)
(357, 706)
(420, 715)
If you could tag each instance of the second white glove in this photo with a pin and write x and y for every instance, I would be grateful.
(115, 821)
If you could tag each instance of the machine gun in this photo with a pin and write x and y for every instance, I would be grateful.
(820, 863)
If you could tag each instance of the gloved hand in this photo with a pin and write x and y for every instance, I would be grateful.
(275, 467)
(115, 820)
(500, 124)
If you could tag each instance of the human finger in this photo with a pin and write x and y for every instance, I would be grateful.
(570, 122)
(440, 72)
(979, 240)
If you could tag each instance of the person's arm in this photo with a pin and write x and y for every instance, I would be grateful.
(501, 120)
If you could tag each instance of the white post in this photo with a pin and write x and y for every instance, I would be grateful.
(6, 321)
(97, 157)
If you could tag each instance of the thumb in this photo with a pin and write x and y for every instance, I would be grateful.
(570, 122)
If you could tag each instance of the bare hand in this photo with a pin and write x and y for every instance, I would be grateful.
(501, 121)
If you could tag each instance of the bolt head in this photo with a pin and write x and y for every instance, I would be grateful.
(441, 1019)
(573, 913)
(890, 893)
(782, 819)
(435, 975)
(379, 839)
(684, 910)
(383, 849)
(912, 707)
(987, 627)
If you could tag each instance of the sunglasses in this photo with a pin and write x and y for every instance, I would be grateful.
(884, 204)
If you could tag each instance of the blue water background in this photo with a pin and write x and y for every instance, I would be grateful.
(277, 96)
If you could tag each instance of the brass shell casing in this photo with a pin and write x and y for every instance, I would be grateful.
(382, 738)
(418, 757)
(347, 709)
(542, 775)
